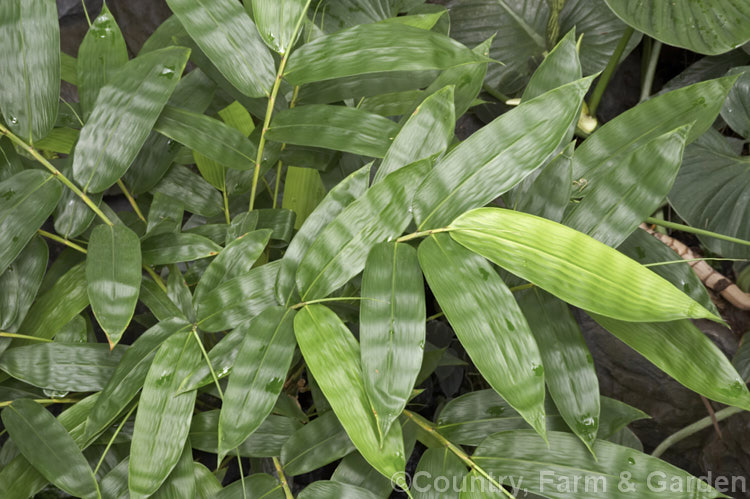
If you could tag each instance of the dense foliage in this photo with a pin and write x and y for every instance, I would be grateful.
(238, 248)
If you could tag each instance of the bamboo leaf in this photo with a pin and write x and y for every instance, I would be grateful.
(561, 66)
(222, 357)
(102, 52)
(332, 355)
(320, 442)
(334, 127)
(434, 463)
(476, 171)
(179, 292)
(166, 248)
(427, 132)
(323, 489)
(119, 124)
(256, 486)
(162, 421)
(488, 322)
(374, 48)
(392, 329)
(276, 21)
(573, 266)
(26, 200)
(113, 273)
(181, 482)
(49, 447)
(30, 79)
(340, 250)
(20, 283)
(195, 194)
(303, 191)
(227, 35)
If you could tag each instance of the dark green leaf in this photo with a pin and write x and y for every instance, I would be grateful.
(321, 441)
(167, 248)
(546, 192)
(436, 464)
(195, 194)
(257, 486)
(324, 489)
(20, 282)
(559, 67)
(277, 20)
(736, 111)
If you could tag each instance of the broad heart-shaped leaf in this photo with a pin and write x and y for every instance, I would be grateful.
(113, 273)
(238, 299)
(710, 193)
(374, 48)
(120, 123)
(736, 111)
(569, 367)
(698, 104)
(573, 266)
(20, 282)
(566, 469)
(235, 260)
(498, 156)
(488, 322)
(682, 350)
(320, 442)
(129, 375)
(102, 52)
(339, 128)
(276, 21)
(392, 329)
(434, 463)
(48, 446)
(166, 248)
(714, 28)
(618, 197)
(428, 131)
(227, 35)
(257, 376)
(521, 31)
(26, 200)
(340, 250)
(30, 62)
(208, 136)
(333, 357)
(162, 421)
(74, 367)
(338, 198)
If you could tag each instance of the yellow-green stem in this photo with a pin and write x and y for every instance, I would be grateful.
(112, 440)
(155, 277)
(208, 362)
(614, 61)
(61, 240)
(131, 200)
(23, 337)
(45, 401)
(227, 215)
(282, 479)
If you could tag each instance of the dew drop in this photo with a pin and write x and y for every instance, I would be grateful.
(168, 72)
(12, 120)
(631, 460)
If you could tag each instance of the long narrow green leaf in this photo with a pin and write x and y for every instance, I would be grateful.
(20, 282)
(276, 21)
(257, 376)
(340, 250)
(338, 198)
(181, 482)
(428, 131)
(30, 78)
(433, 465)
(374, 48)
(334, 127)
(569, 367)
(561, 66)
(26, 200)
(49, 447)
(321, 441)
(488, 322)
(125, 110)
(102, 52)
(332, 355)
(392, 329)
(573, 266)
(324, 489)
(195, 194)
(208, 136)
(546, 192)
(256, 486)
(222, 357)
(74, 367)
(228, 36)
(113, 273)
(162, 421)
(163, 249)
(72, 215)
(498, 156)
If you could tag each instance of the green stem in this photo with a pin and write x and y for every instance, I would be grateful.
(693, 230)
(131, 200)
(66, 242)
(272, 103)
(62, 178)
(422, 233)
(495, 93)
(278, 181)
(44, 401)
(430, 429)
(688, 260)
(227, 215)
(242, 474)
(338, 298)
(208, 362)
(112, 440)
(155, 277)
(23, 337)
(699, 425)
(648, 79)
(86, 12)
(553, 23)
(282, 479)
(601, 85)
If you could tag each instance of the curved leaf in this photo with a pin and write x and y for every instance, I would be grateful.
(321, 441)
(257, 377)
(256, 486)
(276, 21)
(438, 463)
(546, 192)
(323, 489)
(228, 36)
(374, 48)
(20, 282)
(102, 52)
(334, 127)
(477, 171)
(340, 250)
(194, 193)
(30, 62)
(562, 65)
(120, 123)
(166, 248)
(332, 355)
(714, 28)
(392, 329)
(488, 322)
(573, 266)
(365, 85)
(26, 200)
(736, 111)
(113, 273)
(162, 421)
